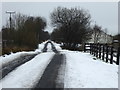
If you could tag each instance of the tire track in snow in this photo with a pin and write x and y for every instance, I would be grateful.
(53, 76)
(52, 46)
(55, 70)
(14, 64)
(28, 74)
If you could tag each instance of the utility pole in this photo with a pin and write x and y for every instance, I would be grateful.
(10, 19)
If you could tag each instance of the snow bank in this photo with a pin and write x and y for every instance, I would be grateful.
(8, 58)
(41, 46)
(28, 74)
(57, 46)
(84, 72)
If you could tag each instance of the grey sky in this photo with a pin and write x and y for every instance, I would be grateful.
(119, 17)
(104, 13)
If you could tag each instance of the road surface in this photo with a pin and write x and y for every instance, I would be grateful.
(53, 75)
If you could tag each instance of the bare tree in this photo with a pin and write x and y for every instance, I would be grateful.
(97, 33)
(19, 21)
(73, 24)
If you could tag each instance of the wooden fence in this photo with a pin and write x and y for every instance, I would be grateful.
(103, 51)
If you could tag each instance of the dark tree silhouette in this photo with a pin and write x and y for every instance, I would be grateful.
(26, 32)
(72, 26)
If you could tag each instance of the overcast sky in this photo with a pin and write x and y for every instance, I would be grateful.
(104, 14)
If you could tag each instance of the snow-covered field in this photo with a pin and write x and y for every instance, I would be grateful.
(81, 70)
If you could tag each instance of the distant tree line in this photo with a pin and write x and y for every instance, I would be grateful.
(26, 33)
(72, 27)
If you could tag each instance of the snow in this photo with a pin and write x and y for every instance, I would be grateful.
(49, 48)
(116, 41)
(81, 70)
(28, 74)
(109, 56)
(57, 46)
(8, 58)
(79, 45)
(41, 46)
(84, 72)
(87, 47)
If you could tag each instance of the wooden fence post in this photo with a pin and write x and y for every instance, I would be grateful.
(97, 48)
(103, 52)
(100, 51)
(94, 49)
(84, 47)
(118, 56)
(111, 59)
(90, 49)
(107, 53)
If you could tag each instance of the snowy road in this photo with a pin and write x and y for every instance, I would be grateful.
(57, 68)
(43, 67)
(52, 77)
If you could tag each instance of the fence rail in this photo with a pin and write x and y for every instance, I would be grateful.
(103, 51)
